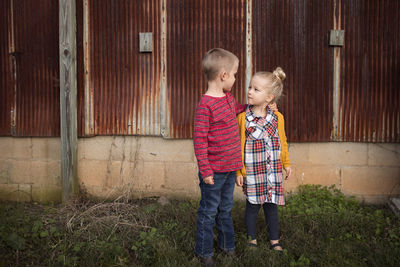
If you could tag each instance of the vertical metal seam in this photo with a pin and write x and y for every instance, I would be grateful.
(249, 13)
(336, 132)
(88, 94)
(164, 114)
(11, 43)
(13, 112)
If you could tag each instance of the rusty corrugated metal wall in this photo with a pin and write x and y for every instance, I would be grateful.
(370, 71)
(29, 61)
(121, 93)
(194, 27)
(37, 60)
(294, 36)
(123, 83)
(5, 70)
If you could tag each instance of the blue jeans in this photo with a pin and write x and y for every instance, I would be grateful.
(215, 207)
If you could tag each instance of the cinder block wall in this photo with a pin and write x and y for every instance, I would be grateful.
(135, 166)
(30, 169)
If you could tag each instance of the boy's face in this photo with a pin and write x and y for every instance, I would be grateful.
(258, 94)
(229, 78)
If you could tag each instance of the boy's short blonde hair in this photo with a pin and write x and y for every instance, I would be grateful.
(218, 59)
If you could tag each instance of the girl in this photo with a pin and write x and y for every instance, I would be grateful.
(264, 152)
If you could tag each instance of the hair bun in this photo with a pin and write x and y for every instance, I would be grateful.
(278, 72)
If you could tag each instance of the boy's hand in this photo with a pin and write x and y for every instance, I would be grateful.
(288, 172)
(208, 180)
(273, 107)
(239, 180)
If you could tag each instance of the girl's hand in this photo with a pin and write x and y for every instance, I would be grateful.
(208, 180)
(288, 172)
(273, 107)
(239, 180)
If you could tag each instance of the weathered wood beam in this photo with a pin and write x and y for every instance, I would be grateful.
(68, 98)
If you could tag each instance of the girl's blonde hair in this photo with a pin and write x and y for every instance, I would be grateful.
(273, 81)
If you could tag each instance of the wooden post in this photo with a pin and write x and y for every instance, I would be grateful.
(68, 99)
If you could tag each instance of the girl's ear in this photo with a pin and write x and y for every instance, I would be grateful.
(270, 98)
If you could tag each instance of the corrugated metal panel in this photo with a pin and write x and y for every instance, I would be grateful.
(124, 85)
(370, 71)
(124, 82)
(294, 36)
(194, 27)
(5, 69)
(37, 61)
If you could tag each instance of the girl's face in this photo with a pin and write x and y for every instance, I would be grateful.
(258, 94)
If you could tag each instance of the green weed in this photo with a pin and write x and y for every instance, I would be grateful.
(319, 226)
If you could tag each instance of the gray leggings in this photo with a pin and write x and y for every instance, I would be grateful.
(271, 219)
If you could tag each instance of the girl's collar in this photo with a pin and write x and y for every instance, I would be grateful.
(250, 115)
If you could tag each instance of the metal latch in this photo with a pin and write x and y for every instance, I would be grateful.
(145, 42)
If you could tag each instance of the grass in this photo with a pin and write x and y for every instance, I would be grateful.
(318, 227)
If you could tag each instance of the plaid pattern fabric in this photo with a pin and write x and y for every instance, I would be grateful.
(262, 160)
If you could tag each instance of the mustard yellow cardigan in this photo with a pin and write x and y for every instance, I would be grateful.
(282, 137)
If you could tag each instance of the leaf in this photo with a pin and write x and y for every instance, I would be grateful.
(143, 235)
(44, 234)
(36, 226)
(15, 241)
(152, 232)
(53, 229)
(77, 248)
(61, 258)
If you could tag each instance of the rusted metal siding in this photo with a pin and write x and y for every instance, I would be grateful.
(5, 69)
(124, 82)
(370, 71)
(193, 28)
(121, 93)
(36, 54)
(294, 36)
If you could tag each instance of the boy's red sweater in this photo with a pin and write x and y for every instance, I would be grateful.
(216, 135)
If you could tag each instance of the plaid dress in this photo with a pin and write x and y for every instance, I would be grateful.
(262, 159)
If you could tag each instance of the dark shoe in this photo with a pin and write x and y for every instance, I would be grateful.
(207, 261)
(230, 253)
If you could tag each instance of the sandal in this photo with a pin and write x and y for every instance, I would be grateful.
(252, 245)
(273, 247)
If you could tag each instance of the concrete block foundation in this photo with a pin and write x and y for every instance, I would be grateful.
(139, 166)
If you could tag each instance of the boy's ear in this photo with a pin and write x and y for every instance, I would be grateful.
(223, 75)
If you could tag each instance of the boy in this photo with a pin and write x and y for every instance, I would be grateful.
(217, 148)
